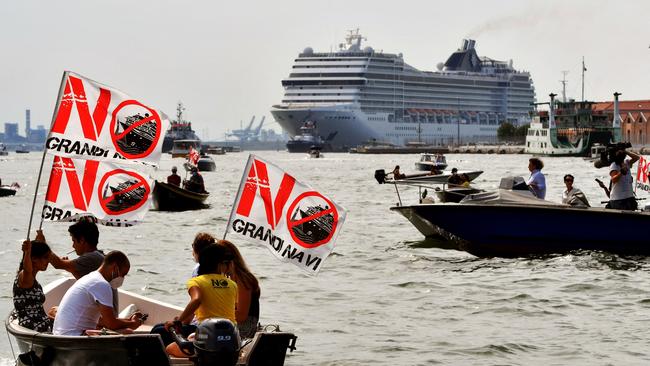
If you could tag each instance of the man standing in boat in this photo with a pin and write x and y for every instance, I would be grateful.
(621, 195)
(537, 181)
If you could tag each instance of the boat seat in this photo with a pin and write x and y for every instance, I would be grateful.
(144, 329)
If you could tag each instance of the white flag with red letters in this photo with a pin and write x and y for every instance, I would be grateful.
(95, 121)
(115, 195)
(295, 222)
(642, 171)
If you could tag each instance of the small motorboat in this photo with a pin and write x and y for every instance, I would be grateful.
(455, 194)
(181, 148)
(314, 152)
(3, 150)
(215, 150)
(139, 348)
(204, 164)
(168, 197)
(511, 222)
(424, 178)
(429, 162)
(11, 190)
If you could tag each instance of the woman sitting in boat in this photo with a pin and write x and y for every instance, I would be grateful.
(212, 293)
(397, 174)
(248, 299)
(27, 292)
(573, 196)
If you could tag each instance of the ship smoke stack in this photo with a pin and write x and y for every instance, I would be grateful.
(28, 123)
(464, 45)
(471, 44)
(616, 121)
(551, 116)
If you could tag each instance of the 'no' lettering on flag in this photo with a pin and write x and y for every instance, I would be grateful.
(95, 121)
(114, 195)
(295, 222)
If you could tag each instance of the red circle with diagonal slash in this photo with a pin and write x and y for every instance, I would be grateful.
(104, 201)
(153, 116)
(291, 223)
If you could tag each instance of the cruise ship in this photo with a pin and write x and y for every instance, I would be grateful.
(362, 94)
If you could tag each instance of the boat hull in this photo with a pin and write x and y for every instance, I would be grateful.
(524, 230)
(267, 347)
(7, 191)
(167, 197)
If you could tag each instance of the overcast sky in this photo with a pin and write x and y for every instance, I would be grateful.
(225, 59)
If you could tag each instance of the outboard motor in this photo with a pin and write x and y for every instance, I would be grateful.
(217, 343)
(380, 176)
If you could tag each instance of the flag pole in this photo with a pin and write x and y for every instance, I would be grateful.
(239, 192)
(40, 171)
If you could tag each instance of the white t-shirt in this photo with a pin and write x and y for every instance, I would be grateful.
(539, 181)
(79, 310)
(624, 187)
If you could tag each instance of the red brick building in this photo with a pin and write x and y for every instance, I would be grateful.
(634, 116)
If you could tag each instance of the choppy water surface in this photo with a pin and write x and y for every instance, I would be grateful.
(386, 296)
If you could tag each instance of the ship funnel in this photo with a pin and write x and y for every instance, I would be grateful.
(616, 121)
(551, 116)
(464, 45)
(471, 44)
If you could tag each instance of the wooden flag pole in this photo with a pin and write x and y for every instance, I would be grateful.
(40, 171)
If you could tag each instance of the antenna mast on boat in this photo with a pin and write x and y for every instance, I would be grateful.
(583, 78)
(563, 81)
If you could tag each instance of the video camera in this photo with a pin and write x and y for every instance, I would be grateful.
(608, 155)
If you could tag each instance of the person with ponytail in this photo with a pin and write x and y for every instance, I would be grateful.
(248, 288)
(28, 294)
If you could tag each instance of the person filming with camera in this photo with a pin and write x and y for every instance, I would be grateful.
(621, 195)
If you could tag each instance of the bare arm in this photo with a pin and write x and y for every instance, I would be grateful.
(109, 320)
(634, 156)
(195, 301)
(243, 303)
(64, 263)
(26, 275)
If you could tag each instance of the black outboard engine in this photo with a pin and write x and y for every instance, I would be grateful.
(380, 176)
(217, 343)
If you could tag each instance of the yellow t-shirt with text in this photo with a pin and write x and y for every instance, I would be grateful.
(218, 296)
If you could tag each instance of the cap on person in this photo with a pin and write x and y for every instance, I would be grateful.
(454, 170)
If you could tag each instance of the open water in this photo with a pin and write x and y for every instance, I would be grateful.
(385, 296)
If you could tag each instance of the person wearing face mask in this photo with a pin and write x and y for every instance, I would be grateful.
(91, 297)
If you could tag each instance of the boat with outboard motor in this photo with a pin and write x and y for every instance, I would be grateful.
(423, 178)
(139, 348)
(514, 223)
(168, 197)
(7, 191)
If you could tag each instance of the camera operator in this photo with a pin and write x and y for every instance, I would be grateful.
(622, 194)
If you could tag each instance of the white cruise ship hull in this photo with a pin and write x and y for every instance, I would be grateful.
(354, 127)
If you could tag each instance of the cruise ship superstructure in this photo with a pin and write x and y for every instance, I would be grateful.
(363, 94)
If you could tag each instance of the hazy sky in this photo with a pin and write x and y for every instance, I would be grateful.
(225, 59)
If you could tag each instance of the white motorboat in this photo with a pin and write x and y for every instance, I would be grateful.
(139, 348)
(430, 161)
(424, 178)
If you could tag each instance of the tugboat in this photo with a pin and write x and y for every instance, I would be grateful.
(179, 130)
(308, 138)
